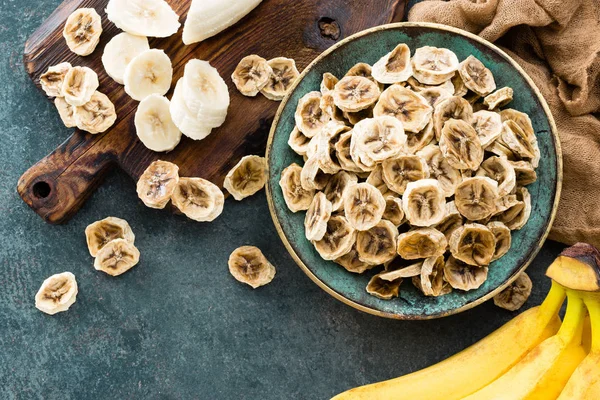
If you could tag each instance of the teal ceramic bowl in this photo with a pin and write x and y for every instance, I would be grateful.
(368, 46)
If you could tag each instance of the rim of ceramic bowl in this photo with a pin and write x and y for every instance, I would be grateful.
(534, 251)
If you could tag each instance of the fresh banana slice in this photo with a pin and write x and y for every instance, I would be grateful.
(57, 293)
(119, 52)
(400, 171)
(419, 87)
(334, 191)
(421, 243)
(461, 145)
(352, 263)
(379, 139)
(476, 76)
(375, 179)
(188, 122)
(148, 73)
(473, 244)
(251, 75)
(424, 203)
(435, 95)
(355, 93)
(152, 18)
(157, 184)
(383, 289)
(281, 80)
(524, 172)
(517, 216)
(500, 170)
(328, 82)
(154, 125)
(378, 244)
(488, 126)
(66, 112)
(247, 264)
(97, 115)
(433, 66)
(503, 238)
(317, 215)
(298, 141)
(499, 98)
(247, 177)
(205, 93)
(464, 276)
(440, 169)
(393, 67)
(460, 89)
(52, 80)
(410, 108)
(199, 199)
(338, 240)
(343, 155)
(100, 233)
(364, 206)
(451, 222)
(82, 31)
(517, 140)
(393, 210)
(117, 257)
(79, 85)
(311, 177)
(417, 141)
(452, 108)
(516, 294)
(309, 116)
(476, 197)
(295, 196)
(432, 282)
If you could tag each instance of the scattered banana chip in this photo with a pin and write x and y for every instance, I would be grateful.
(199, 199)
(296, 197)
(317, 215)
(473, 244)
(120, 51)
(100, 233)
(247, 177)
(310, 118)
(516, 294)
(154, 125)
(503, 238)
(355, 93)
(52, 80)
(157, 184)
(251, 75)
(393, 67)
(151, 18)
(476, 198)
(421, 243)
(364, 206)
(424, 203)
(82, 31)
(338, 240)
(66, 112)
(248, 265)
(433, 66)
(97, 115)
(150, 72)
(499, 98)
(284, 74)
(378, 244)
(57, 293)
(464, 276)
(117, 257)
(79, 85)
(476, 76)
(409, 107)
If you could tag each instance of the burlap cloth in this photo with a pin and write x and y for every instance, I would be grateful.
(558, 43)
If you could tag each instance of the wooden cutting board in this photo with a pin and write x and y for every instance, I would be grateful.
(58, 185)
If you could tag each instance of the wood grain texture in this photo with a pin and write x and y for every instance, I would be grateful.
(59, 184)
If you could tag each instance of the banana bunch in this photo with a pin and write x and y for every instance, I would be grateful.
(533, 356)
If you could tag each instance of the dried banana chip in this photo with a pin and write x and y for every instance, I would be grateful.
(100, 233)
(355, 117)
(66, 112)
(342, 152)
(417, 86)
(409, 107)
(433, 66)
(517, 216)
(317, 215)
(451, 108)
(82, 31)
(521, 119)
(52, 80)
(393, 67)
(364, 206)
(404, 272)
(500, 170)
(355, 93)
(338, 240)
(499, 98)
(57, 293)
(432, 282)
(464, 276)
(503, 238)
(298, 141)
(79, 85)
(328, 106)
(421, 243)
(199, 199)
(375, 178)
(475, 198)
(364, 70)
(251, 75)
(476, 76)
(328, 82)
(488, 126)
(157, 184)
(295, 196)
(500, 149)
(379, 139)
(117, 257)
(435, 95)
(461, 145)
(505, 202)
(424, 203)
(451, 222)
(281, 79)
(516, 294)
(440, 169)
(517, 140)
(309, 116)
(473, 244)
(247, 177)
(378, 244)
(460, 89)
(524, 172)
(334, 191)
(417, 141)
(352, 263)
(247, 264)
(97, 115)
(399, 172)
(311, 177)
(393, 210)
(385, 290)
(326, 152)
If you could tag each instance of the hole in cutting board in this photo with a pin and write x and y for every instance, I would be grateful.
(41, 190)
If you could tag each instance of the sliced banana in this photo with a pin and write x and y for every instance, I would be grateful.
(432, 282)
(375, 179)
(517, 216)
(384, 289)
(326, 152)
(52, 80)
(298, 141)
(499, 98)
(377, 245)
(524, 172)
(119, 52)
(296, 197)
(317, 215)
(247, 177)
(364, 206)
(516, 294)
(500, 149)
(473, 244)
(488, 126)
(247, 264)
(409, 107)
(360, 158)
(355, 93)
(309, 116)
(417, 86)
(82, 31)
(364, 70)
(435, 95)
(328, 82)
(520, 118)
(281, 80)
(117, 257)
(451, 108)
(517, 140)
(393, 210)
(352, 263)
(400, 171)
(391, 273)
(205, 93)
(57, 293)
(150, 72)
(451, 222)
(311, 177)
(334, 191)
(505, 203)
(154, 125)
(424, 203)
(500, 170)
(199, 199)
(421, 243)
(355, 117)
(152, 18)
(379, 139)
(339, 239)
(464, 276)
(393, 67)
(157, 184)
(343, 155)
(440, 169)
(328, 106)
(417, 141)
(100, 233)
(79, 85)
(476, 197)
(97, 115)
(66, 112)
(503, 238)
(251, 75)
(476, 76)
(188, 122)
(460, 89)
(461, 145)
(433, 66)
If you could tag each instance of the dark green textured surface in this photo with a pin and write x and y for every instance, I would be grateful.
(178, 326)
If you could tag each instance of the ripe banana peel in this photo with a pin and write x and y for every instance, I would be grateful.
(531, 357)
